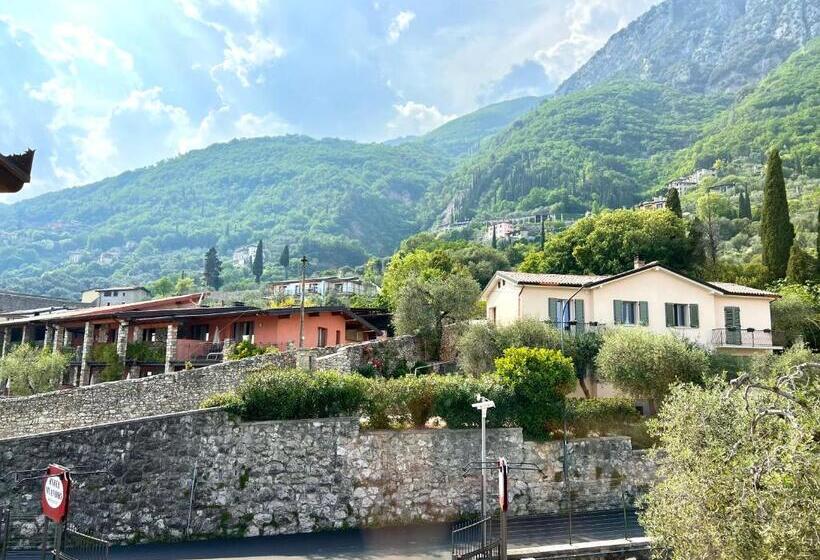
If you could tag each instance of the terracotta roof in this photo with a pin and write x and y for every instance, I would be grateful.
(570, 280)
(740, 290)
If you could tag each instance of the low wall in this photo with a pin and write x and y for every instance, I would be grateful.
(297, 476)
(350, 358)
(126, 399)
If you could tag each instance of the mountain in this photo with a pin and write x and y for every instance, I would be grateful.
(464, 135)
(603, 146)
(782, 110)
(338, 201)
(703, 45)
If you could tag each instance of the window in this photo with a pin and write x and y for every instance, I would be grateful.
(243, 329)
(107, 294)
(313, 287)
(338, 337)
(339, 287)
(321, 337)
(199, 332)
(682, 315)
(630, 312)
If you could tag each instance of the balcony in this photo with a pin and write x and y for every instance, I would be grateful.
(574, 327)
(747, 338)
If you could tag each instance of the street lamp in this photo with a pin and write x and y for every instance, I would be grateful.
(304, 261)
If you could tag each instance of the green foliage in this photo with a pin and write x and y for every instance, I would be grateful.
(740, 472)
(272, 394)
(600, 416)
(145, 352)
(607, 243)
(229, 399)
(797, 314)
(423, 306)
(418, 395)
(673, 202)
(213, 269)
(258, 266)
(457, 394)
(645, 364)
(107, 354)
(246, 349)
(540, 378)
(776, 231)
(31, 370)
(802, 266)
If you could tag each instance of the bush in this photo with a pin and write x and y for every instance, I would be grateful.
(145, 352)
(271, 394)
(540, 378)
(107, 354)
(229, 399)
(601, 416)
(379, 404)
(417, 395)
(247, 349)
(478, 347)
(456, 394)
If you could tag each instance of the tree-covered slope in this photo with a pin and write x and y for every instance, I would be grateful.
(464, 135)
(599, 147)
(703, 45)
(338, 200)
(783, 110)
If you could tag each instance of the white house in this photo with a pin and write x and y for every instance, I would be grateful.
(244, 256)
(324, 286)
(103, 297)
(727, 317)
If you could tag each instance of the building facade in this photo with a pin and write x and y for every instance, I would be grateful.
(324, 286)
(103, 297)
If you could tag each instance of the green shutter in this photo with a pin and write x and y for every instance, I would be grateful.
(643, 309)
(579, 315)
(618, 311)
(554, 312)
(731, 316)
(670, 314)
(694, 317)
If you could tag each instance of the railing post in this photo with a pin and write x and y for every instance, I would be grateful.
(569, 485)
(626, 530)
(5, 543)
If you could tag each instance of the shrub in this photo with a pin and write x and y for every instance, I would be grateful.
(417, 395)
(229, 399)
(645, 364)
(456, 394)
(247, 349)
(271, 394)
(530, 333)
(107, 354)
(145, 352)
(540, 378)
(601, 416)
(379, 404)
(478, 347)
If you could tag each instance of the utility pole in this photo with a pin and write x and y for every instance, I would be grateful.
(483, 404)
(304, 261)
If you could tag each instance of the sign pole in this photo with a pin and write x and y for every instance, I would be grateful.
(504, 503)
(483, 404)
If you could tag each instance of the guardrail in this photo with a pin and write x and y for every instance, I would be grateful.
(747, 337)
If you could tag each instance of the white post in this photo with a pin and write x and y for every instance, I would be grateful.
(483, 404)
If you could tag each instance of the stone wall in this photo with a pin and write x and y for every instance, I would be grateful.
(298, 476)
(350, 358)
(127, 399)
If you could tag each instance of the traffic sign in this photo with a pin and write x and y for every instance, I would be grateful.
(56, 491)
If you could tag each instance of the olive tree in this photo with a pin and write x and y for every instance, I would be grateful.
(739, 476)
(30, 370)
(645, 364)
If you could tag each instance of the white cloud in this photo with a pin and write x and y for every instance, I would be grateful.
(256, 52)
(416, 118)
(77, 42)
(223, 124)
(399, 24)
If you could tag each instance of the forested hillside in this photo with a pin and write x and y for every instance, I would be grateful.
(602, 147)
(703, 45)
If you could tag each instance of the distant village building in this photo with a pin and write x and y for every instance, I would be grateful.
(102, 297)
(657, 203)
(76, 257)
(324, 286)
(109, 257)
(244, 256)
(503, 230)
(689, 182)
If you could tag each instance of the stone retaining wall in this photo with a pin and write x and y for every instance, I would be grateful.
(351, 358)
(127, 399)
(298, 476)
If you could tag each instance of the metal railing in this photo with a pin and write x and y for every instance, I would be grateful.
(24, 536)
(747, 337)
(476, 540)
(79, 546)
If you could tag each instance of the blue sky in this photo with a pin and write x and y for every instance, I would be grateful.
(102, 87)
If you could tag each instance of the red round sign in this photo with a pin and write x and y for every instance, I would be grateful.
(56, 490)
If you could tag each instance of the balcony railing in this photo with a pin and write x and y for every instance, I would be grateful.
(574, 327)
(197, 350)
(747, 338)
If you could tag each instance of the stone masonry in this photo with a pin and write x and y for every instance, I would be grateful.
(300, 476)
(127, 399)
(350, 358)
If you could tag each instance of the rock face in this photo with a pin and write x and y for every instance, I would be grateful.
(707, 46)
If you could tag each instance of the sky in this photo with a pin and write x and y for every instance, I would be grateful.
(100, 87)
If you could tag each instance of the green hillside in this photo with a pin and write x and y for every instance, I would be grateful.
(464, 135)
(599, 147)
(337, 200)
(782, 110)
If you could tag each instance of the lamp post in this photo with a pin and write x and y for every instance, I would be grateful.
(304, 261)
(483, 404)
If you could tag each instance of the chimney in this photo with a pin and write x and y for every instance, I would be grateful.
(638, 262)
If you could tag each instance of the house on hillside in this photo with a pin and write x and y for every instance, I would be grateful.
(716, 315)
(655, 203)
(341, 286)
(102, 297)
(243, 256)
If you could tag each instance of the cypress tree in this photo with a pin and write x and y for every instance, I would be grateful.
(213, 269)
(543, 234)
(695, 237)
(802, 266)
(776, 231)
(495, 242)
(258, 262)
(817, 244)
(673, 202)
(284, 259)
(746, 207)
